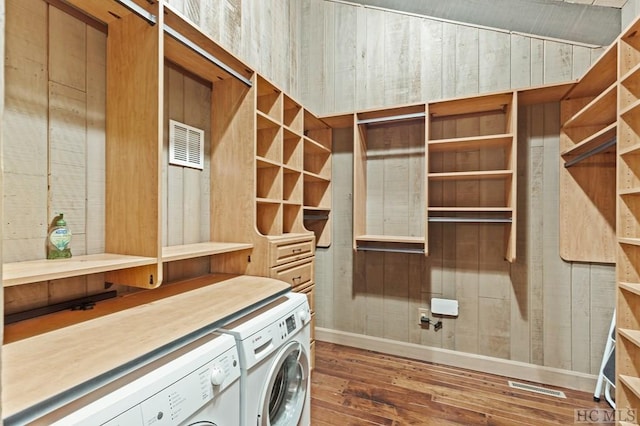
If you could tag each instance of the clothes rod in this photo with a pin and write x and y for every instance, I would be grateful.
(141, 12)
(392, 118)
(589, 153)
(471, 219)
(315, 217)
(388, 249)
(182, 39)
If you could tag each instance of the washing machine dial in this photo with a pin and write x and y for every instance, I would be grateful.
(304, 316)
(217, 376)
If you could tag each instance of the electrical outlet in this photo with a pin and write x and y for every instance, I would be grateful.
(423, 314)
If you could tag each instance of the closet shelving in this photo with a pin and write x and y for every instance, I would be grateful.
(293, 167)
(587, 173)
(471, 147)
(388, 189)
(628, 223)
(134, 136)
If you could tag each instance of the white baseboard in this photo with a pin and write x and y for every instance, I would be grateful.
(512, 369)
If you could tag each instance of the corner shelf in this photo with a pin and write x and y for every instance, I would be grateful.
(588, 146)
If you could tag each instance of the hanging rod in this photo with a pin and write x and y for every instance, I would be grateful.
(589, 153)
(388, 249)
(184, 40)
(471, 219)
(315, 217)
(140, 11)
(392, 118)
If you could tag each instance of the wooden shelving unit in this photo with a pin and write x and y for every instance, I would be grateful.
(293, 167)
(628, 223)
(389, 190)
(587, 172)
(471, 147)
(135, 130)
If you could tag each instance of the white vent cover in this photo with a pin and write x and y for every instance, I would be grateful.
(186, 145)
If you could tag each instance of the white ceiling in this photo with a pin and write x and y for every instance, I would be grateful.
(596, 22)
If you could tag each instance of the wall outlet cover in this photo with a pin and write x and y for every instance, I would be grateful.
(444, 307)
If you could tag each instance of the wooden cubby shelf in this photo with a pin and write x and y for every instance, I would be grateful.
(293, 166)
(632, 383)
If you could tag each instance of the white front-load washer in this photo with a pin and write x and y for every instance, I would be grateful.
(274, 348)
(196, 385)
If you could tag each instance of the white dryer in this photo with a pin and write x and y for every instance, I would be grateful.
(274, 348)
(196, 385)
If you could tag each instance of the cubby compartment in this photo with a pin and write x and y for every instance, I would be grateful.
(293, 115)
(629, 50)
(317, 159)
(269, 218)
(292, 186)
(269, 99)
(291, 218)
(268, 139)
(292, 150)
(268, 181)
(317, 192)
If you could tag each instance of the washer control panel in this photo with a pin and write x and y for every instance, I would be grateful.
(183, 398)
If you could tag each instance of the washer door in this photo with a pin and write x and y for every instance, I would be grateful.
(285, 395)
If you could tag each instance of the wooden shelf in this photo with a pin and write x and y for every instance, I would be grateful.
(630, 287)
(189, 251)
(593, 142)
(630, 241)
(265, 121)
(313, 177)
(479, 175)
(264, 163)
(630, 150)
(471, 209)
(629, 191)
(600, 76)
(471, 105)
(600, 111)
(470, 143)
(44, 270)
(631, 335)
(632, 383)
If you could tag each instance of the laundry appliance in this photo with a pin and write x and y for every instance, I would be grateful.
(196, 385)
(274, 349)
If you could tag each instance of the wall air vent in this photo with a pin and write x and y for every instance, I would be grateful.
(186, 145)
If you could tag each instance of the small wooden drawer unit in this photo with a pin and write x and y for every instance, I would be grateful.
(292, 260)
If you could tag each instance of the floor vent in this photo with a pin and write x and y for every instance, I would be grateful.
(537, 389)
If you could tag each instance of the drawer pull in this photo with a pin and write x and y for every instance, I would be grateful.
(296, 250)
(299, 277)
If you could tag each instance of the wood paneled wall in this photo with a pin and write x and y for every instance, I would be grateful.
(265, 34)
(540, 309)
(55, 125)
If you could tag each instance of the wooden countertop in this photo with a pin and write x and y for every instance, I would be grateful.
(118, 331)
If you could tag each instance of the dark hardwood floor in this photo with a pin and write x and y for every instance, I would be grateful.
(356, 387)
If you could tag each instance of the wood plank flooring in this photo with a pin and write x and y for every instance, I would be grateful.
(356, 387)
